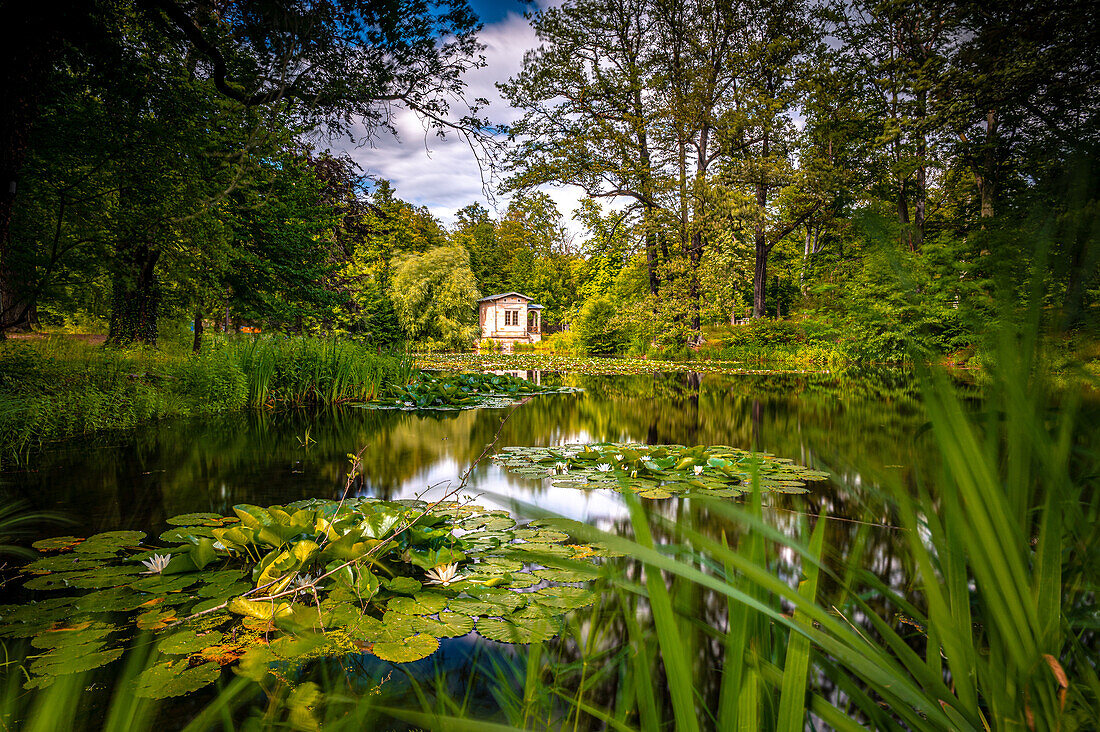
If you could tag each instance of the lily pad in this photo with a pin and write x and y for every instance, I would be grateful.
(566, 598)
(422, 603)
(175, 678)
(516, 630)
(186, 642)
(109, 542)
(195, 519)
(57, 543)
(413, 648)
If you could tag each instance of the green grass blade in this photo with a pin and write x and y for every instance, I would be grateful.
(792, 699)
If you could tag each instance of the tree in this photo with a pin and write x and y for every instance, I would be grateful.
(169, 70)
(591, 110)
(435, 297)
(761, 134)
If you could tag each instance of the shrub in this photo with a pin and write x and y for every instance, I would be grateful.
(764, 332)
(598, 331)
(561, 342)
(489, 344)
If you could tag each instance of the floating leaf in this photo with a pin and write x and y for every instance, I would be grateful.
(155, 620)
(115, 599)
(186, 642)
(473, 608)
(175, 678)
(73, 660)
(57, 543)
(194, 519)
(110, 542)
(403, 585)
(566, 598)
(413, 648)
(553, 574)
(187, 534)
(422, 603)
(258, 610)
(516, 630)
(55, 581)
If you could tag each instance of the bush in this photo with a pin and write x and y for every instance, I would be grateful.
(489, 344)
(564, 342)
(598, 331)
(764, 332)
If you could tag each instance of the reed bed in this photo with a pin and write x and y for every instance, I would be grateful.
(56, 387)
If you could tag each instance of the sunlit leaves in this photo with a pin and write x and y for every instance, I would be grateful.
(657, 471)
(175, 678)
(460, 391)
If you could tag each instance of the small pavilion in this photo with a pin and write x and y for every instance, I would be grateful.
(510, 317)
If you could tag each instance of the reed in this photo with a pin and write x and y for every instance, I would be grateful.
(56, 388)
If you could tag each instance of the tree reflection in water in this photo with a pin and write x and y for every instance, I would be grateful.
(860, 427)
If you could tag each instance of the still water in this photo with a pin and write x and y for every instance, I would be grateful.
(861, 429)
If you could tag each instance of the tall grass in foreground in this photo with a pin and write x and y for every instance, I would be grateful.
(994, 627)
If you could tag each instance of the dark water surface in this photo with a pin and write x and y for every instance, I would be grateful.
(864, 428)
(860, 428)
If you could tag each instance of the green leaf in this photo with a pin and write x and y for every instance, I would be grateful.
(175, 678)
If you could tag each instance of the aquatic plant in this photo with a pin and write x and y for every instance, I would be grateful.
(313, 578)
(57, 388)
(460, 391)
(587, 365)
(658, 471)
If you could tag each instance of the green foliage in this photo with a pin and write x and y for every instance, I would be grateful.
(327, 578)
(659, 471)
(60, 387)
(435, 297)
(597, 328)
(459, 391)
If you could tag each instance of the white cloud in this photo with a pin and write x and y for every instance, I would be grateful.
(443, 174)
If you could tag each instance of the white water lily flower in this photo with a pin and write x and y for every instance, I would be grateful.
(302, 581)
(619, 457)
(444, 574)
(156, 564)
(698, 469)
(603, 468)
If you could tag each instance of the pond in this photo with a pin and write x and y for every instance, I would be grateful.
(856, 427)
(862, 428)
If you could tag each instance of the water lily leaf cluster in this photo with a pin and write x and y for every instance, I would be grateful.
(585, 364)
(289, 583)
(449, 392)
(658, 471)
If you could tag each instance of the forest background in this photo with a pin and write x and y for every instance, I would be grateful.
(864, 180)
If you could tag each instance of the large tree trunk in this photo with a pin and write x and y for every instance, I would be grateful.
(135, 304)
(760, 274)
(651, 251)
(196, 344)
(696, 255)
(920, 206)
(760, 271)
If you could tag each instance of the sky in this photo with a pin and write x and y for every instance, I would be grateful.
(443, 175)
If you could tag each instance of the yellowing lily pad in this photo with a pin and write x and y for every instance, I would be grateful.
(57, 543)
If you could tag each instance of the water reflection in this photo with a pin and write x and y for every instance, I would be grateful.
(860, 428)
(864, 428)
